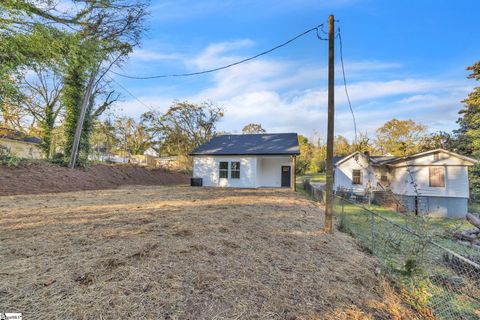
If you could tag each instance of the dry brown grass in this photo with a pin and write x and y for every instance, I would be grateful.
(182, 253)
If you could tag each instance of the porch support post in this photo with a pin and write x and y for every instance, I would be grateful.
(294, 176)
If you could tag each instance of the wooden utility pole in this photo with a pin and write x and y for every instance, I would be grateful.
(81, 120)
(330, 131)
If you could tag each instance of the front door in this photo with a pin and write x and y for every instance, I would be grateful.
(286, 176)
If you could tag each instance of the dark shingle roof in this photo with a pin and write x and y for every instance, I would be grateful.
(6, 133)
(336, 159)
(251, 144)
(381, 159)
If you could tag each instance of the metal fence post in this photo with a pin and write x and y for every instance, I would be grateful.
(372, 227)
(342, 215)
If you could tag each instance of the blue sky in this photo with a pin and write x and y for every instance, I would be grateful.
(403, 59)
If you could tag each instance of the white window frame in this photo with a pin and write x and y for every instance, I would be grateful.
(236, 170)
(220, 170)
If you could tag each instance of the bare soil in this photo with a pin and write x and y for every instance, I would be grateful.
(39, 177)
(164, 252)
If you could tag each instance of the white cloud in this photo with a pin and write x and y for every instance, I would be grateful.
(287, 95)
(213, 57)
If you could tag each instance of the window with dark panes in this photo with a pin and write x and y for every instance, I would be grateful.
(235, 170)
(436, 156)
(223, 170)
(437, 176)
(356, 177)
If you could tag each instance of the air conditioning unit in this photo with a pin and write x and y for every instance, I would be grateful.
(196, 182)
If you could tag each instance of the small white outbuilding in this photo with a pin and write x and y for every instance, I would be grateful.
(247, 161)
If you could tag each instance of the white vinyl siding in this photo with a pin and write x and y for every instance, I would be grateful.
(270, 170)
(343, 177)
(252, 171)
(456, 182)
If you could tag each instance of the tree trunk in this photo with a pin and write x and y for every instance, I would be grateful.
(473, 220)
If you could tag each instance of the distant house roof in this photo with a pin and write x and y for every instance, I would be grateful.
(386, 160)
(250, 144)
(336, 159)
(382, 159)
(422, 154)
(11, 134)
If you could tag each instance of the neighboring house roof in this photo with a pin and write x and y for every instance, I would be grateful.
(336, 159)
(342, 160)
(385, 160)
(250, 144)
(382, 159)
(10, 134)
(422, 154)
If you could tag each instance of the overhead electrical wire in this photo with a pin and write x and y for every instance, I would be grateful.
(317, 29)
(131, 94)
(345, 84)
(226, 66)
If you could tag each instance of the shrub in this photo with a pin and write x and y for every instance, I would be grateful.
(6, 158)
(57, 158)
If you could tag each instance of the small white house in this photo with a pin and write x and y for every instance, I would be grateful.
(433, 182)
(247, 160)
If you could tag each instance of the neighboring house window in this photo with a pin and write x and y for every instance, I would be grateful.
(356, 177)
(224, 170)
(235, 170)
(436, 156)
(437, 176)
(384, 178)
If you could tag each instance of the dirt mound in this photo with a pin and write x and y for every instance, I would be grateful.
(35, 178)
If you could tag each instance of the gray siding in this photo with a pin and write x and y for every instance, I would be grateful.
(445, 207)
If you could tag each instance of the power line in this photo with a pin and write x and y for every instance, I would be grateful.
(229, 65)
(131, 94)
(345, 84)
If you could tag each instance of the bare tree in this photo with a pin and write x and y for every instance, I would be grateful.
(184, 126)
(43, 102)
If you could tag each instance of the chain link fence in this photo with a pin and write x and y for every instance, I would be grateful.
(437, 281)
(315, 193)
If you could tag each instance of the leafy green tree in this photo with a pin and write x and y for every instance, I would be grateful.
(85, 43)
(133, 137)
(363, 144)
(319, 157)
(400, 137)
(439, 140)
(341, 146)
(304, 159)
(103, 138)
(183, 127)
(469, 132)
(252, 128)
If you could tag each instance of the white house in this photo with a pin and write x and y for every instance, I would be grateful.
(433, 182)
(247, 160)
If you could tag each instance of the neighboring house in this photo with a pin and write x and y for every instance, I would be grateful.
(151, 152)
(20, 145)
(433, 182)
(247, 160)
